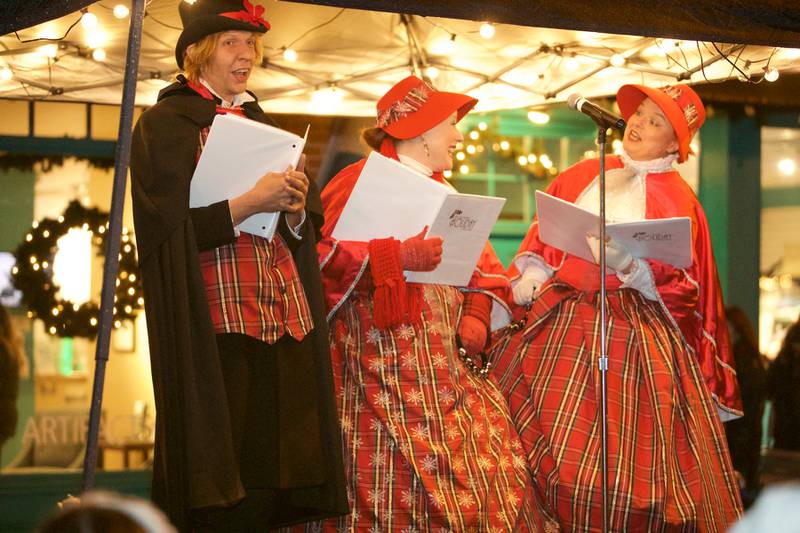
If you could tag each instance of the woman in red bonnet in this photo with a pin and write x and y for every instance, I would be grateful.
(428, 442)
(670, 370)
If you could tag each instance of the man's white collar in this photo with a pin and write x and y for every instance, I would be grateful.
(238, 99)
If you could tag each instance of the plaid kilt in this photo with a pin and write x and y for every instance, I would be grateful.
(428, 446)
(669, 467)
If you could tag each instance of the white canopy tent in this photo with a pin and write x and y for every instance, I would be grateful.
(332, 60)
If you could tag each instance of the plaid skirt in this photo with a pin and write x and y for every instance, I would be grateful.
(668, 464)
(428, 446)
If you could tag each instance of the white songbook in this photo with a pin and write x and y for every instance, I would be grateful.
(564, 225)
(237, 153)
(392, 200)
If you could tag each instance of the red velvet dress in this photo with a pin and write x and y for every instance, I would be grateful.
(670, 369)
(428, 446)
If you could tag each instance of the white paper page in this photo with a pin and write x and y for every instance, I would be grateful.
(464, 222)
(389, 200)
(564, 225)
(237, 153)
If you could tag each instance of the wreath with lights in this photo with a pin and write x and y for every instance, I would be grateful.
(33, 274)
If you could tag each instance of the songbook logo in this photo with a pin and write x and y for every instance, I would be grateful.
(460, 221)
(652, 236)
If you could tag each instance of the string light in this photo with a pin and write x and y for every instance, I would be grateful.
(98, 54)
(5, 74)
(617, 60)
(96, 38)
(464, 169)
(447, 174)
(572, 64)
(49, 50)
(88, 20)
(444, 47)
(771, 74)
(290, 55)
(482, 126)
(474, 135)
(432, 72)
(121, 11)
(326, 101)
(487, 30)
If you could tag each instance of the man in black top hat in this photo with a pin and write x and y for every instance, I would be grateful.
(246, 432)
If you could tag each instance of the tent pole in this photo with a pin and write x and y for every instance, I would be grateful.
(122, 153)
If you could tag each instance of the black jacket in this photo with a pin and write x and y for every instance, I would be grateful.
(194, 461)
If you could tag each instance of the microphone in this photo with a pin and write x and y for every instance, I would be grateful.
(601, 117)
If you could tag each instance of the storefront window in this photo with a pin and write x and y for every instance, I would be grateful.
(779, 302)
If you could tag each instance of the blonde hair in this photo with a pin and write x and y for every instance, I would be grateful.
(198, 56)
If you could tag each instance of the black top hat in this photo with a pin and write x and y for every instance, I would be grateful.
(205, 17)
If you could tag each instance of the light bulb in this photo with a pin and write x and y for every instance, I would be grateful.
(572, 64)
(6, 74)
(49, 50)
(617, 60)
(432, 72)
(487, 30)
(89, 20)
(98, 54)
(771, 74)
(444, 47)
(482, 126)
(121, 11)
(290, 55)
(96, 38)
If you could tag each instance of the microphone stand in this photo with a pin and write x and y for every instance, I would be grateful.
(603, 360)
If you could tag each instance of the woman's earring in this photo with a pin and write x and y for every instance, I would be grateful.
(425, 145)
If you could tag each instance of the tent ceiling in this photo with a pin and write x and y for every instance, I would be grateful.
(347, 58)
(765, 22)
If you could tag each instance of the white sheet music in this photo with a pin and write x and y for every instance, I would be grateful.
(564, 225)
(237, 153)
(392, 200)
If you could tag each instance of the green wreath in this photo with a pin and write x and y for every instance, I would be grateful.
(33, 274)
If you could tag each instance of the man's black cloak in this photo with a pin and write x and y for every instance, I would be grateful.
(195, 465)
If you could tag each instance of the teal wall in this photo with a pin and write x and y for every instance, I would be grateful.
(730, 191)
(16, 213)
(27, 499)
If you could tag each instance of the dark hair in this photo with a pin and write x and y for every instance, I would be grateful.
(373, 137)
(741, 324)
(91, 520)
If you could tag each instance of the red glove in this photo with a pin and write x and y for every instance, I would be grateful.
(472, 333)
(420, 254)
(473, 330)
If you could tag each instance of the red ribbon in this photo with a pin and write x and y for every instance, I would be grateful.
(250, 14)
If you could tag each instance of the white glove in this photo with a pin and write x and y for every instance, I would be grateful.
(617, 256)
(525, 286)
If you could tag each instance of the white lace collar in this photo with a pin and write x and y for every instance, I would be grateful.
(415, 165)
(653, 166)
